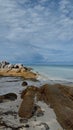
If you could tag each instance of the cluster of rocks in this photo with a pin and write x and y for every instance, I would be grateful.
(17, 70)
(59, 97)
(7, 65)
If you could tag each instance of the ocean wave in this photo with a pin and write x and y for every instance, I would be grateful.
(47, 79)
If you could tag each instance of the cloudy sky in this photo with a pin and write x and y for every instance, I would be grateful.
(36, 31)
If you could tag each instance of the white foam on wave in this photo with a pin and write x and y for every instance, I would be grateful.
(46, 78)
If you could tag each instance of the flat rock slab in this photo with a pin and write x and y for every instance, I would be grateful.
(26, 107)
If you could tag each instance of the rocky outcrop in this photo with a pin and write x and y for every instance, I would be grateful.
(7, 69)
(59, 97)
(5, 64)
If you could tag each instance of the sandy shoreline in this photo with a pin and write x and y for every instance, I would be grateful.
(54, 105)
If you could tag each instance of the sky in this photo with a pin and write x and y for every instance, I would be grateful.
(36, 31)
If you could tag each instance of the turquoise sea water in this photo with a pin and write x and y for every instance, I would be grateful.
(59, 74)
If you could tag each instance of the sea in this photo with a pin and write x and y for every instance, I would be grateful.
(55, 73)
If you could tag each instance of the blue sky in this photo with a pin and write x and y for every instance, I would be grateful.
(36, 31)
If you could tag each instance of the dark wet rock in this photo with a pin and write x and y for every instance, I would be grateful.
(18, 66)
(10, 113)
(23, 120)
(0, 65)
(27, 126)
(37, 111)
(8, 96)
(45, 125)
(1, 98)
(24, 83)
(15, 116)
(26, 68)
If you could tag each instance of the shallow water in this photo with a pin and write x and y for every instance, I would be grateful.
(10, 84)
(55, 74)
(14, 84)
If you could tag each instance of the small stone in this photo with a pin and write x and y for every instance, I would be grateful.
(38, 111)
(27, 126)
(24, 83)
(46, 126)
(23, 120)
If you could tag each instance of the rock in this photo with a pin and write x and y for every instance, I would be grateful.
(27, 126)
(29, 90)
(1, 98)
(7, 69)
(38, 111)
(20, 66)
(16, 66)
(26, 68)
(24, 83)
(9, 96)
(3, 64)
(59, 97)
(10, 66)
(26, 106)
(10, 113)
(45, 125)
(23, 120)
(0, 65)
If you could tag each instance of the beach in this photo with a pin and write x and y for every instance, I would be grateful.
(35, 104)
